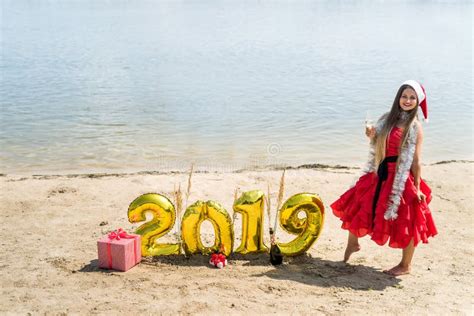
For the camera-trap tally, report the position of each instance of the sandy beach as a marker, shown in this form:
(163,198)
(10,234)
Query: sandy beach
(50,225)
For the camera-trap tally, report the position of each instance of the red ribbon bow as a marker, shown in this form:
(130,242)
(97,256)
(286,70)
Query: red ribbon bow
(120,233)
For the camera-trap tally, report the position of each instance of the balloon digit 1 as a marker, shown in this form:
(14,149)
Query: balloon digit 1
(307,229)
(250,205)
(163,220)
(191,226)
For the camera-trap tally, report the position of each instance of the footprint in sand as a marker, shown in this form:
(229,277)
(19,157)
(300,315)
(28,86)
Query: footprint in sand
(61,190)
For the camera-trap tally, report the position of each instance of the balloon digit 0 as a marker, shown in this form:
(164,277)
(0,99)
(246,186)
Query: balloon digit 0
(307,229)
(191,224)
(163,220)
(250,205)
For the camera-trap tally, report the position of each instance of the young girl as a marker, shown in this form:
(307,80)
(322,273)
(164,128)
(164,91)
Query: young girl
(389,202)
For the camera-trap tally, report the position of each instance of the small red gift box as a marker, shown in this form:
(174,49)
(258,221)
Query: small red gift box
(119,250)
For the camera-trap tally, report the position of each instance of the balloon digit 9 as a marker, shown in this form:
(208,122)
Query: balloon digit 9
(250,205)
(191,224)
(163,220)
(307,229)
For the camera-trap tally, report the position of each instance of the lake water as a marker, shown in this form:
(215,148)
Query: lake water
(92,86)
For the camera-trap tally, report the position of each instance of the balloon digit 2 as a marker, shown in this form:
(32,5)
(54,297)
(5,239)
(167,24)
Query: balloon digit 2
(162,222)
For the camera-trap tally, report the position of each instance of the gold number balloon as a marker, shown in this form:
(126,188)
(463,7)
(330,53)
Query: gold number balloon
(307,229)
(250,205)
(163,220)
(191,226)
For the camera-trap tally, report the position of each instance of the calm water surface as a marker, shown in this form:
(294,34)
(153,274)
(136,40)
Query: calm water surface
(151,85)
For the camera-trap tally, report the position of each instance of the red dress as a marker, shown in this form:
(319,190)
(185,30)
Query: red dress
(414,219)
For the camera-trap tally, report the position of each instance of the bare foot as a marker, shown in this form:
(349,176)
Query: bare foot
(350,249)
(398,270)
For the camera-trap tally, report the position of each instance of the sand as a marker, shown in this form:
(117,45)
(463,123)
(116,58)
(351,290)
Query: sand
(50,225)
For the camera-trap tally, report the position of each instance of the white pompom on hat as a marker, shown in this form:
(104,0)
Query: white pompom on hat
(421,94)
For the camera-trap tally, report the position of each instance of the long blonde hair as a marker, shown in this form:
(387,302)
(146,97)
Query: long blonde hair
(390,120)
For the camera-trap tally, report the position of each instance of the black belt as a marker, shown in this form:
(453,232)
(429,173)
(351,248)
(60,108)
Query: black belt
(382,173)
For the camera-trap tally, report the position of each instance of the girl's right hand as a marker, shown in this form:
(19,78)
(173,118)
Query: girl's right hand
(370,131)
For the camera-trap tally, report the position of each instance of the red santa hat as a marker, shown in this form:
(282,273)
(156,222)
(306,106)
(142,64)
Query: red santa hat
(421,94)
(218,260)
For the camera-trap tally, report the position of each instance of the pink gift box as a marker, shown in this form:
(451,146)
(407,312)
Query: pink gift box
(119,251)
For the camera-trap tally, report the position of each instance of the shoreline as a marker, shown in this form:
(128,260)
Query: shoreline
(315,166)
